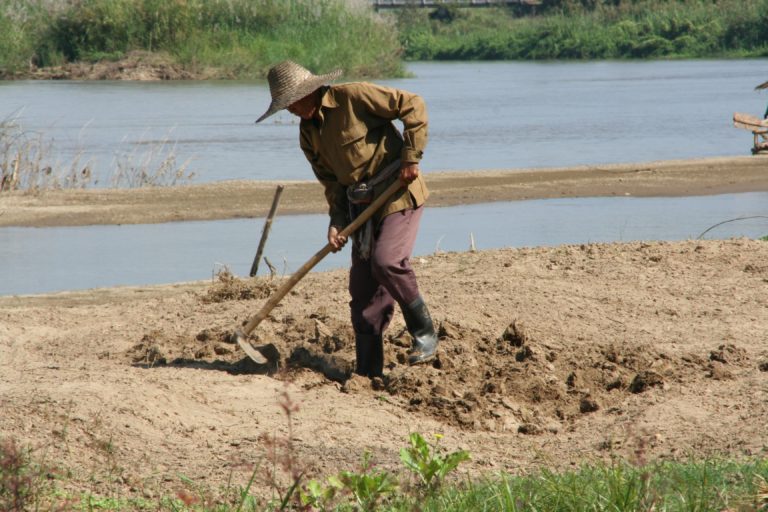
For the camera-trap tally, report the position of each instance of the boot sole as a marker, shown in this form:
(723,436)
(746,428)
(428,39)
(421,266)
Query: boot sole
(412,361)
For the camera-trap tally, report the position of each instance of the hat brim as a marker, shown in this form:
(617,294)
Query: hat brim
(301,90)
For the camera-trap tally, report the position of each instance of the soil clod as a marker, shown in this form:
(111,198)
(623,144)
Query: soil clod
(644,381)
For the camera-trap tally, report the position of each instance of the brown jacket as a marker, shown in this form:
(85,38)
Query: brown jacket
(354,138)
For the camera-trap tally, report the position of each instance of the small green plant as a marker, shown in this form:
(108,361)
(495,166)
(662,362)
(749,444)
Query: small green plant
(428,462)
(369,487)
(244,497)
(318,496)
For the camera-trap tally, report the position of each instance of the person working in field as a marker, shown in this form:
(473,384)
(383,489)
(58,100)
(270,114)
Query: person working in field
(356,152)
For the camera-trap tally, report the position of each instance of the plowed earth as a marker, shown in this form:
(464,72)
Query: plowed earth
(549,357)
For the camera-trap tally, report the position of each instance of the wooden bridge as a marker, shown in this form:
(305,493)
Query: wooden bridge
(394,4)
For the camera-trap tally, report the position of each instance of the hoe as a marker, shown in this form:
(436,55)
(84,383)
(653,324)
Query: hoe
(242,334)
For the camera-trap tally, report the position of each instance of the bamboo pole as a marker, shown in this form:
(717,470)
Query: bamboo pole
(265,231)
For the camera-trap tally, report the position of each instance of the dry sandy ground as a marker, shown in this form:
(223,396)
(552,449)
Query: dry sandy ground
(550,357)
(232,199)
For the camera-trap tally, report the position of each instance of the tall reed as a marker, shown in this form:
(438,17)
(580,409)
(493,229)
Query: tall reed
(27,164)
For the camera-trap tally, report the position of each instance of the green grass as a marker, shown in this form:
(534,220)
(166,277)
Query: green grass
(223,38)
(697,485)
(641,29)
(242,38)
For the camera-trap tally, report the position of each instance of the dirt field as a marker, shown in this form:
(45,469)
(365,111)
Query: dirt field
(550,357)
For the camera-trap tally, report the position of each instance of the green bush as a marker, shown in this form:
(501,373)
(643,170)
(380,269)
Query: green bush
(242,38)
(595,30)
(238,38)
(20,29)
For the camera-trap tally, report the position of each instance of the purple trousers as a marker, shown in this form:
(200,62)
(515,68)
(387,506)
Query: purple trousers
(387,277)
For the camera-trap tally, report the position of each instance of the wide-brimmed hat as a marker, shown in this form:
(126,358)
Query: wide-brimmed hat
(289,82)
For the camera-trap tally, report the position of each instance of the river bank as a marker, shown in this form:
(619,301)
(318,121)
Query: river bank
(244,199)
(241,39)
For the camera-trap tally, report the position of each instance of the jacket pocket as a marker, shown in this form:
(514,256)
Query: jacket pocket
(354,148)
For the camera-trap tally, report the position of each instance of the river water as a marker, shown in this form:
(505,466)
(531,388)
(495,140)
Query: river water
(41,260)
(482,116)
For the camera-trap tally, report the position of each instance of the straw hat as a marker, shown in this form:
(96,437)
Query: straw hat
(289,82)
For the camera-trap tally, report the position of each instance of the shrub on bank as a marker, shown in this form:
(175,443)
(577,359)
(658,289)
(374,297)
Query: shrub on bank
(17,35)
(643,29)
(220,38)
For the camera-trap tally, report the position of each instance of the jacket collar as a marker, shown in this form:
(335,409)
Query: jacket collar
(328,98)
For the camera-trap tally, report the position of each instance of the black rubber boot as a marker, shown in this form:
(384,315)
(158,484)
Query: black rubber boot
(376,368)
(369,355)
(422,330)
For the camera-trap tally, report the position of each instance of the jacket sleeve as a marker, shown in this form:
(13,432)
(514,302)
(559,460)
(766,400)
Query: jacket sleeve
(335,193)
(410,108)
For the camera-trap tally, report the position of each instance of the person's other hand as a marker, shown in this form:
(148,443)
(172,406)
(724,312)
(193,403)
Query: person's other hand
(336,241)
(409,171)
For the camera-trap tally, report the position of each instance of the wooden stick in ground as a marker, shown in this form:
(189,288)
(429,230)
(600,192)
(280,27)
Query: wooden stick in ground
(241,334)
(265,231)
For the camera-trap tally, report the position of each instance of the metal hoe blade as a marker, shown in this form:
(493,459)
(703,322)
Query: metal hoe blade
(251,352)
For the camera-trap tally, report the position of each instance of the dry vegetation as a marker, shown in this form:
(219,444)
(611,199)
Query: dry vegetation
(28,164)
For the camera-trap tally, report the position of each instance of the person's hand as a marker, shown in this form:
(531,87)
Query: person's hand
(409,171)
(336,241)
